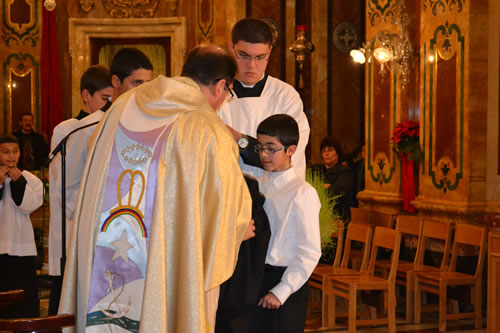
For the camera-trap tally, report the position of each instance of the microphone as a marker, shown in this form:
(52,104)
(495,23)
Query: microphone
(62,143)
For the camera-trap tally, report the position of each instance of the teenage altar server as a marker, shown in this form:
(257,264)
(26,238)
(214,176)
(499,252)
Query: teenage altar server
(259,95)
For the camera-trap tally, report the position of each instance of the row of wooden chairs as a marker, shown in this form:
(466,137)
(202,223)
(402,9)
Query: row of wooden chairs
(50,324)
(414,275)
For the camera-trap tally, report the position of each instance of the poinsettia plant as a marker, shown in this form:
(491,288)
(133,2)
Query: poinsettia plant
(405,140)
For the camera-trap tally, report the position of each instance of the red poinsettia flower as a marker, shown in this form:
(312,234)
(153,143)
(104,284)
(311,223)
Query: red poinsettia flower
(405,138)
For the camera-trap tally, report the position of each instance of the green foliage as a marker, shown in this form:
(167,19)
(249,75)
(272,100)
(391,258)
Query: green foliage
(327,217)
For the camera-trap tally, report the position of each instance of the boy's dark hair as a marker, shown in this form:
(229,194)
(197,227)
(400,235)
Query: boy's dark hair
(25,114)
(330,141)
(252,30)
(95,78)
(282,127)
(127,60)
(207,64)
(8,138)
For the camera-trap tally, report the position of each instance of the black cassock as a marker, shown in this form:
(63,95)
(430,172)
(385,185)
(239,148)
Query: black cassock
(239,295)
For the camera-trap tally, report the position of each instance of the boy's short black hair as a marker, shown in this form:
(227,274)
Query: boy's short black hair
(252,30)
(330,141)
(95,78)
(207,64)
(282,127)
(8,138)
(127,60)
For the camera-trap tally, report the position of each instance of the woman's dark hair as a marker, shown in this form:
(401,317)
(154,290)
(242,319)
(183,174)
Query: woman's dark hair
(330,141)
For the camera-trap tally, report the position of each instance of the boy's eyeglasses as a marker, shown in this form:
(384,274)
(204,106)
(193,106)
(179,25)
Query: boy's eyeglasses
(247,58)
(259,149)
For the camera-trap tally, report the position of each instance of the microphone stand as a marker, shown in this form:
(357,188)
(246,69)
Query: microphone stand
(61,147)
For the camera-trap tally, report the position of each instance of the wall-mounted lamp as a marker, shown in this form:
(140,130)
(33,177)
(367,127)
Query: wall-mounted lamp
(387,47)
(301,47)
(50,5)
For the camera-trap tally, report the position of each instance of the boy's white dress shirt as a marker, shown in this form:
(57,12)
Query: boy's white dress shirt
(292,206)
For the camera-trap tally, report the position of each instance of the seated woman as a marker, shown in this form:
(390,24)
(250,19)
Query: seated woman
(338,177)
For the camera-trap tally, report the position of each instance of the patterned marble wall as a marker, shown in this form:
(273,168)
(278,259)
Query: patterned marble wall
(454,72)
(386,103)
(451,100)
(20,58)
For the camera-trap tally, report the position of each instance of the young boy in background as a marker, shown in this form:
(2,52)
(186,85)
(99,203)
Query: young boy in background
(292,206)
(21,193)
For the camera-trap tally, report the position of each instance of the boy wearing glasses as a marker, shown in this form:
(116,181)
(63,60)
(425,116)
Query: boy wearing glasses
(258,95)
(292,206)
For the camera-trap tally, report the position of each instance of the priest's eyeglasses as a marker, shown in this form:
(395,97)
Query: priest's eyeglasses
(247,58)
(269,151)
(226,87)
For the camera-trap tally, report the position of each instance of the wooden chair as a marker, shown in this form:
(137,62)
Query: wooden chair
(347,286)
(51,324)
(9,297)
(359,215)
(355,232)
(437,282)
(411,226)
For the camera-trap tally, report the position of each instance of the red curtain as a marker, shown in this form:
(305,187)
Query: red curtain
(52,112)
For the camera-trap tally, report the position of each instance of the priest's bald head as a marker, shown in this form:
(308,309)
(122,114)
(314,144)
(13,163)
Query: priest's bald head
(213,69)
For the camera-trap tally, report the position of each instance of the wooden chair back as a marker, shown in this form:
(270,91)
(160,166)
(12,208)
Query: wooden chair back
(51,324)
(377,219)
(437,231)
(473,236)
(10,297)
(359,215)
(339,235)
(388,239)
(410,225)
(361,233)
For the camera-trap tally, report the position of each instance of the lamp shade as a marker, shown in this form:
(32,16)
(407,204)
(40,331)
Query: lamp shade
(358,56)
(382,54)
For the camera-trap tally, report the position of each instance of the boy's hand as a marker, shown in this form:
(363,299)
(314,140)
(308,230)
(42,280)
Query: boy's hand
(4,172)
(250,230)
(14,173)
(270,301)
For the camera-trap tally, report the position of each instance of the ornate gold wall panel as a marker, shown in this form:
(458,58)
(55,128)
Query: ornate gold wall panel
(130,8)
(20,22)
(81,31)
(383,111)
(21,89)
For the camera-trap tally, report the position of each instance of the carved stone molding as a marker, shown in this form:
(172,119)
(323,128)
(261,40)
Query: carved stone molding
(86,5)
(82,30)
(130,8)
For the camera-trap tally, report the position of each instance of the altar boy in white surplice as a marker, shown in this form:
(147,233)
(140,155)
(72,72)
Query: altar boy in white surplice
(163,207)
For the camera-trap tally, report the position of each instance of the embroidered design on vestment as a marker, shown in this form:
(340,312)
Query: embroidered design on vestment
(128,209)
(138,149)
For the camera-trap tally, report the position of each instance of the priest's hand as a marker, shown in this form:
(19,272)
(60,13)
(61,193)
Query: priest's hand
(250,230)
(235,133)
(14,173)
(4,172)
(269,301)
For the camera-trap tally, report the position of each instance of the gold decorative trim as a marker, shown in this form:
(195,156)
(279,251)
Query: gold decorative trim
(86,5)
(130,8)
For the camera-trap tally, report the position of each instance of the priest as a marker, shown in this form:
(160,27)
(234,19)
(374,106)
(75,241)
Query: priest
(162,209)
